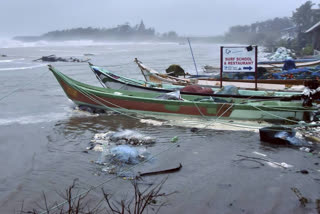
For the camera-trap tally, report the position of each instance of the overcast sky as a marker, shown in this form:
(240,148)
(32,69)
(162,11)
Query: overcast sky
(186,17)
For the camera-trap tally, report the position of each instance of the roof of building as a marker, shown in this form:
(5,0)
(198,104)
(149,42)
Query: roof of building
(314,27)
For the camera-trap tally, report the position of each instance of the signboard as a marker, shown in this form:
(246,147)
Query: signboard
(238,59)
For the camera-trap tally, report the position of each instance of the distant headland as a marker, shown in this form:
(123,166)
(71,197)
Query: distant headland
(124,32)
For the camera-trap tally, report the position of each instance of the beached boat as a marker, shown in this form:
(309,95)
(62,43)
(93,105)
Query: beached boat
(300,63)
(153,76)
(191,105)
(114,81)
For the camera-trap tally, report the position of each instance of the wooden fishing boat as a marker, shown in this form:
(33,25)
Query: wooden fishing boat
(153,76)
(114,81)
(299,63)
(190,105)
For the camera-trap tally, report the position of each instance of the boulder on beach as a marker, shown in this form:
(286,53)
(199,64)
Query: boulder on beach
(175,70)
(54,58)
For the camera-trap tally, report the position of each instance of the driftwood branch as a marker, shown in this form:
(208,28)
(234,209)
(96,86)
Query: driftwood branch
(275,163)
(166,171)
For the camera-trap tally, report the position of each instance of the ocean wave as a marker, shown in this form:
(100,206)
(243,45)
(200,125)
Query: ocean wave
(33,119)
(9,43)
(23,68)
(11,60)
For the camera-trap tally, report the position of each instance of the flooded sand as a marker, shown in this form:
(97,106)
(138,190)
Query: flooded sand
(213,177)
(43,139)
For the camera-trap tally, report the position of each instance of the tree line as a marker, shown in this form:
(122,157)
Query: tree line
(121,32)
(286,31)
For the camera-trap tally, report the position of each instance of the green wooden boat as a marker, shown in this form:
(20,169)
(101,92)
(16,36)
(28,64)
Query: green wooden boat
(188,105)
(115,81)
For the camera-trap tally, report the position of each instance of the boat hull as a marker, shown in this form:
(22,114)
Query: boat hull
(126,101)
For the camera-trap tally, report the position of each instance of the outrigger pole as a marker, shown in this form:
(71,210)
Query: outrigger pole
(194,61)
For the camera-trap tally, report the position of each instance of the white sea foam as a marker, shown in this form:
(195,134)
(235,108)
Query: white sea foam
(23,68)
(9,43)
(33,119)
(11,60)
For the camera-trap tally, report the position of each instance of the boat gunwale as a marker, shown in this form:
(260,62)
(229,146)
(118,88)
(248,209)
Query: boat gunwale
(157,89)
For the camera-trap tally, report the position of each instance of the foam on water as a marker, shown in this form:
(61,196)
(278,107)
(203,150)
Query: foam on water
(23,67)
(10,43)
(33,119)
(11,60)
(201,123)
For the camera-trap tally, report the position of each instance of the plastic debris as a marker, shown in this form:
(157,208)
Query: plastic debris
(123,137)
(170,96)
(290,139)
(285,165)
(174,139)
(132,137)
(281,53)
(258,153)
(126,154)
(119,148)
(305,149)
(304,171)
(281,136)
(229,89)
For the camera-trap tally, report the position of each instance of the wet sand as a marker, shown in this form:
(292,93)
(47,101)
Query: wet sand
(42,141)
(213,178)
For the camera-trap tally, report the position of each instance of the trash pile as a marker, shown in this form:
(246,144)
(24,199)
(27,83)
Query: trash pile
(126,136)
(126,147)
(307,139)
(281,54)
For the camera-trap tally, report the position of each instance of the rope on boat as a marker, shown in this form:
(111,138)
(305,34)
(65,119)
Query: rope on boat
(217,120)
(274,115)
(97,101)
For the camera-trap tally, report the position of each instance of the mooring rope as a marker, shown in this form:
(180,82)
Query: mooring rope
(24,86)
(216,120)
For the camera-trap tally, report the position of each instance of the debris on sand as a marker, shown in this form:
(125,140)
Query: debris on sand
(120,148)
(165,171)
(124,137)
(281,136)
(127,154)
(152,122)
(269,162)
(131,137)
(303,200)
(89,109)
